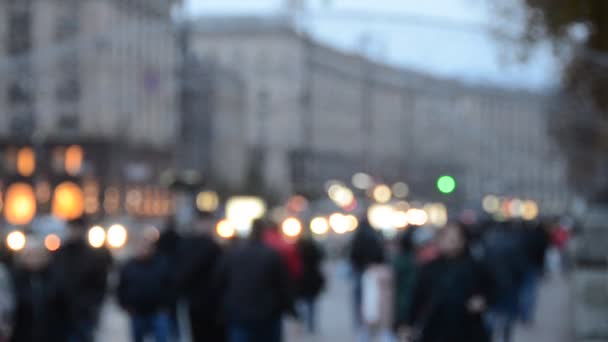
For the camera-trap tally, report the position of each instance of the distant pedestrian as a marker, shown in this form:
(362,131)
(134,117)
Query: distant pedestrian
(257,290)
(198,258)
(144,291)
(366,249)
(312,281)
(451,294)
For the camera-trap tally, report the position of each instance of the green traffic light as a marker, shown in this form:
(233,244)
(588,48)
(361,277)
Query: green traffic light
(446,184)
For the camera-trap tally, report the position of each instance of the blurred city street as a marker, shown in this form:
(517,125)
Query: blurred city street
(553,319)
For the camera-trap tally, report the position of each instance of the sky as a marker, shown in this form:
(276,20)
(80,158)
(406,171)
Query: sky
(445,38)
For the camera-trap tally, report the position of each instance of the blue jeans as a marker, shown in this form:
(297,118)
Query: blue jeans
(157,324)
(528,296)
(265,331)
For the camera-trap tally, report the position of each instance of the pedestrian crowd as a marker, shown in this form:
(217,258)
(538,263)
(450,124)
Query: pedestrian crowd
(469,283)
(464,283)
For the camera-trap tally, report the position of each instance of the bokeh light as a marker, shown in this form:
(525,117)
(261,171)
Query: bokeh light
(52,242)
(16,240)
(339,223)
(401,190)
(380,216)
(417,217)
(117,236)
(382,193)
(97,237)
(225,229)
(491,204)
(292,227)
(68,201)
(446,184)
(362,181)
(530,210)
(242,211)
(207,201)
(26,161)
(319,226)
(19,204)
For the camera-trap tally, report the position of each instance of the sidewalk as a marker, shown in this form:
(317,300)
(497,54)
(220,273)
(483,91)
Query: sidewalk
(335,318)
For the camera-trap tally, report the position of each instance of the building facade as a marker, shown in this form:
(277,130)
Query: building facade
(100,74)
(319,113)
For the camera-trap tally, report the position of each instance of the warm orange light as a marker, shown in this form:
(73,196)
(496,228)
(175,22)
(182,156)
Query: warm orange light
(19,204)
(73,159)
(52,242)
(68,201)
(26,161)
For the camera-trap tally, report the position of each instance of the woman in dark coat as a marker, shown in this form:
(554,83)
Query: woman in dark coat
(312,282)
(451,294)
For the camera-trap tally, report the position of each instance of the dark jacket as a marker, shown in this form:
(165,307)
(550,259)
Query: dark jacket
(312,282)
(441,295)
(41,307)
(198,259)
(256,283)
(145,285)
(82,273)
(405,279)
(366,248)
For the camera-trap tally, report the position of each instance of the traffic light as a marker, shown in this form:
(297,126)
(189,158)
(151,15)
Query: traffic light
(446,184)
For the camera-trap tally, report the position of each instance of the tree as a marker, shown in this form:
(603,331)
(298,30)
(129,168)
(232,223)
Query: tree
(579,121)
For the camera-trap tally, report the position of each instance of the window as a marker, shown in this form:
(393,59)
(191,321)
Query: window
(19,32)
(68,122)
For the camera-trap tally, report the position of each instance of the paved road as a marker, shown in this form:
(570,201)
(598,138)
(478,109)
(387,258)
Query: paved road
(552,325)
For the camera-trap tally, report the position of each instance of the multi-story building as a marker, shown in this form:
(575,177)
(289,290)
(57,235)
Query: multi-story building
(319,113)
(96,73)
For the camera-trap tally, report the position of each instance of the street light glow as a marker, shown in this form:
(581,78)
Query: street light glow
(382,193)
(97,237)
(52,242)
(319,226)
(117,236)
(225,229)
(16,240)
(292,227)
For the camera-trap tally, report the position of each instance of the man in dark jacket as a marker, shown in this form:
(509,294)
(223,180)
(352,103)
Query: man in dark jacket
(198,259)
(40,311)
(312,280)
(82,273)
(257,290)
(144,291)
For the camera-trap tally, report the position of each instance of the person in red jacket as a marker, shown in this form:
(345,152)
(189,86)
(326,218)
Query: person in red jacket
(288,250)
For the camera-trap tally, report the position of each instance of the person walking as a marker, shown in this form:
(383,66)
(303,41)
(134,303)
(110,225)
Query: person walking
(144,291)
(257,290)
(451,294)
(405,270)
(312,281)
(198,258)
(82,273)
(366,249)
(40,307)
